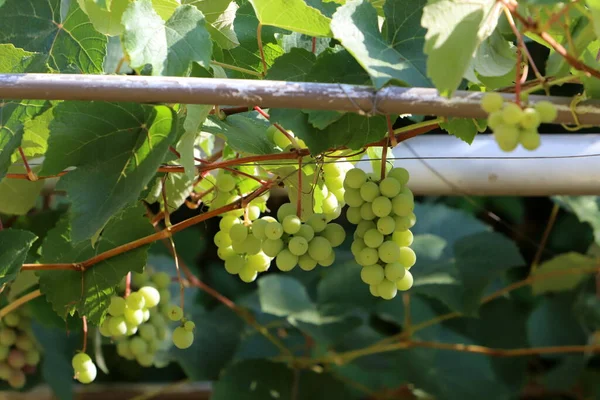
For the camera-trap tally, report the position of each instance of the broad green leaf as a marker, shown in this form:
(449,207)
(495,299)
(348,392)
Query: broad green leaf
(165,8)
(177,188)
(455,29)
(107,21)
(292,66)
(581,34)
(342,286)
(566,282)
(195,116)
(586,208)
(35,135)
(103,4)
(14,245)
(18,195)
(301,41)
(398,56)
(283,296)
(463,128)
(71,44)
(293,15)
(591,84)
(219,15)
(116,147)
(169,47)
(243,132)
(89,292)
(594,6)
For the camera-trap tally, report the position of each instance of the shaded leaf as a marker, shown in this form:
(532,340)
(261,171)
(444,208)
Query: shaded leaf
(563,282)
(219,15)
(283,296)
(463,128)
(243,132)
(292,66)
(18,195)
(14,245)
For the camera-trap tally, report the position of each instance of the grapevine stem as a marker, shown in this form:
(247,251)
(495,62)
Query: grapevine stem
(127,284)
(260,49)
(314,45)
(540,250)
(234,68)
(522,45)
(557,81)
(384,150)
(84,327)
(300,191)
(19,302)
(30,174)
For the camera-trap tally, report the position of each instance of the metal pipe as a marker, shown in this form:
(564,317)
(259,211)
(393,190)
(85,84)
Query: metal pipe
(235,92)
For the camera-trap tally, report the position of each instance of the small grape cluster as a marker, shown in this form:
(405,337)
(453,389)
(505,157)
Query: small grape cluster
(512,125)
(383,213)
(19,352)
(84,367)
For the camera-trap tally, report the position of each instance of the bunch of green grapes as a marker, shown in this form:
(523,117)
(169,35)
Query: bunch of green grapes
(282,141)
(294,242)
(19,352)
(513,125)
(383,213)
(84,367)
(240,246)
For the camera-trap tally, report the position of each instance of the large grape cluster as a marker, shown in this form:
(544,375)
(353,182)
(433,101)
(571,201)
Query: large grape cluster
(19,352)
(513,125)
(383,213)
(226,191)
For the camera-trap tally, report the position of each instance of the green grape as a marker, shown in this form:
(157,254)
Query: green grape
(131,328)
(189,326)
(87,375)
(405,282)
(367,256)
(531,119)
(175,313)
(306,262)
(117,326)
(238,233)
(138,345)
(390,187)
(373,290)
(24,343)
(389,251)
(403,204)
(7,337)
(386,225)
(355,178)
(5,371)
(399,174)
(133,317)
(307,232)
(104,331)
(530,139)
(403,238)
(404,223)
(318,222)
(372,274)
(17,379)
(135,301)
(117,306)
(382,206)
(546,110)
(491,102)
(139,280)
(363,227)
(258,229)
(394,271)
(495,119)
(227,222)
(408,258)
(512,114)
(182,339)
(507,137)
(366,212)
(165,295)
(335,233)
(373,238)
(352,198)
(328,261)
(330,216)
(11,319)
(285,210)
(253,212)
(319,248)
(151,296)
(4,352)
(80,361)
(259,262)
(273,230)
(270,132)
(157,320)
(357,246)
(225,183)
(387,289)
(330,204)
(369,191)
(32,357)
(353,215)
(291,224)
(222,239)
(147,332)
(272,247)
(251,245)
(248,274)
(286,260)
(298,246)
(162,280)
(146,314)
(145,359)
(234,264)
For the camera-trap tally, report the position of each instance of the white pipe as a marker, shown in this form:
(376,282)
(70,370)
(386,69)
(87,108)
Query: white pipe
(486,170)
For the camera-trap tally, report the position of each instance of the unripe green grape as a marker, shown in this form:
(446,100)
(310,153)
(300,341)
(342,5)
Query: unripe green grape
(123,350)
(175,312)
(495,119)
(382,206)
(491,102)
(333,184)
(512,114)
(285,210)
(147,332)
(17,379)
(394,271)
(80,361)
(386,225)
(11,319)
(355,178)
(222,239)
(530,139)
(307,232)
(373,290)
(238,247)
(24,343)
(387,289)
(339,195)
(291,224)
(145,359)
(133,317)
(87,375)
(227,222)
(32,357)
(366,212)
(139,280)
(165,295)
(258,229)
(162,280)
(363,227)
(328,261)
(319,248)
(331,171)
(131,328)
(357,246)
(238,233)
(404,223)
(306,262)
(135,301)
(390,187)
(373,238)
(298,246)
(273,230)
(531,119)
(259,262)
(189,326)
(225,183)
(182,339)
(389,251)
(335,233)
(117,306)
(403,238)
(157,320)
(286,260)
(547,111)
(353,215)
(151,296)
(7,337)
(408,258)
(330,204)
(4,352)
(117,326)
(146,313)
(5,371)
(367,256)
(507,137)
(251,245)
(399,174)
(248,274)
(138,346)
(369,191)
(335,214)
(272,247)
(103,328)
(403,204)
(253,212)
(372,274)
(405,282)
(353,198)
(318,222)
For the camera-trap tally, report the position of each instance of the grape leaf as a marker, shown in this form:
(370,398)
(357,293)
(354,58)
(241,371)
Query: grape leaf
(463,128)
(71,44)
(594,6)
(455,29)
(586,208)
(219,15)
(36,134)
(553,323)
(116,147)
(195,116)
(399,56)
(293,15)
(244,132)
(177,188)
(14,245)
(18,195)
(103,4)
(561,283)
(301,41)
(89,292)
(165,8)
(105,20)
(283,296)
(292,66)
(169,47)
